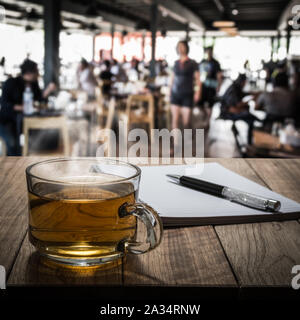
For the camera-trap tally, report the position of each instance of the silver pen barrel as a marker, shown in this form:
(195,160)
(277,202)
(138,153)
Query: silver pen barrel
(251,200)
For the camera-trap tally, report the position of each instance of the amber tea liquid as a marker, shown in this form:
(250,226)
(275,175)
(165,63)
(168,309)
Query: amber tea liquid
(80,222)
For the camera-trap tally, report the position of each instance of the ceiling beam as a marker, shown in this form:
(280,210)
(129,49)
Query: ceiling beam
(173,8)
(179,13)
(67,5)
(109,17)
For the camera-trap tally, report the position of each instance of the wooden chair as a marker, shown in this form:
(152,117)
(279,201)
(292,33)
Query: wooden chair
(59,123)
(102,108)
(137,113)
(164,110)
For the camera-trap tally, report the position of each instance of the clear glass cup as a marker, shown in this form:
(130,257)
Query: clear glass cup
(85,211)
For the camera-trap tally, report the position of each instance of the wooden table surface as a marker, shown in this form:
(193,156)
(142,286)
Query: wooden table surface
(267,145)
(240,257)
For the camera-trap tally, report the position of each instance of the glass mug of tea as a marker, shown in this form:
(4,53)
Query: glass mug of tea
(85,211)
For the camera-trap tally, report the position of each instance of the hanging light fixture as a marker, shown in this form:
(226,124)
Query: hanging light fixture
(225,20)
(223,24)
(233,7)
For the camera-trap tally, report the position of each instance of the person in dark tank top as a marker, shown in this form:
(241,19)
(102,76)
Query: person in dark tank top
(185,79)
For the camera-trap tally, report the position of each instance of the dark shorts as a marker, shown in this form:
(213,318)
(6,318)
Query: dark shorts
(183,99)
(208,96)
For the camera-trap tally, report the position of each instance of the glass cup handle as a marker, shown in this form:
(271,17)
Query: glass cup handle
(152,222)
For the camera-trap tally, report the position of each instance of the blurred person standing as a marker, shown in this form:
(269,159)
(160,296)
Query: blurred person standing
(86,79)
(184,78)
(13,100)
(211,79)
(269,68)
(114,67)
(106,78)
(134,72)
(118,71)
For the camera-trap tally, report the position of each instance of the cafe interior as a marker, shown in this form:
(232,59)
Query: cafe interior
(72,71)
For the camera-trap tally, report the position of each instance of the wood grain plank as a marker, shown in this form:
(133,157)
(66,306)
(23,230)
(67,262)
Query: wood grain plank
(278,171)
(281,175)
(261,254)
(30,269)
(186,257)
(13,208)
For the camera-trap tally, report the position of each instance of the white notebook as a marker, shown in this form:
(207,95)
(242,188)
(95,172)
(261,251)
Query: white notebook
(178,205)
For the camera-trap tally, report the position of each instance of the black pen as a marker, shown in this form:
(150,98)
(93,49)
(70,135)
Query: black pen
(241,197)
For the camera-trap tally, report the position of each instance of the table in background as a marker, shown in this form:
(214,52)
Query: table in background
(267,145)
(215,260)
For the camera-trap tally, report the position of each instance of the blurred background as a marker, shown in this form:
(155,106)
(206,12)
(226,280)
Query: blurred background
(73,67)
